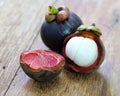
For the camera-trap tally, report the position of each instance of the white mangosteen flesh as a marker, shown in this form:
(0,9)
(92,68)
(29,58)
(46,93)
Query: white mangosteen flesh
(82,51)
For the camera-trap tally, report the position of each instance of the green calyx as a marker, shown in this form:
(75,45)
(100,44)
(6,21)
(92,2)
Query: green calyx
(82,28)
(91,28)
(52,10)
(95,29)
(49,18)
(59,14)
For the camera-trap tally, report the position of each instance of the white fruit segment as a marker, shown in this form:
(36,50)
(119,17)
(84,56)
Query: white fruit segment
(82,51)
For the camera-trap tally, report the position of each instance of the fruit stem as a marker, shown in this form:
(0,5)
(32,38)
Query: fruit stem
(93,24)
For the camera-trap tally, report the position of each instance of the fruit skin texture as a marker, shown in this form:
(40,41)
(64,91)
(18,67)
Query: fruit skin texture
(54,33)
(99,60)
(43,75)
(43,72)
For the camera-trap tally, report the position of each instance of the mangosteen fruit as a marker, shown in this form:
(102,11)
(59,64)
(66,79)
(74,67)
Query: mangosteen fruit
(41,65)
(58,24)
(83,50)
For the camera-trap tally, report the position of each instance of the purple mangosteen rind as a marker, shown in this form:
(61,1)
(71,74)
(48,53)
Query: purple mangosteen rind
(41,75)
(43,71)
(86,33)
(54,33)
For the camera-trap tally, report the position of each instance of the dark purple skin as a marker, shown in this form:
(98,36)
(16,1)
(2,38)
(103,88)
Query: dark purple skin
(43,75)
(54,33)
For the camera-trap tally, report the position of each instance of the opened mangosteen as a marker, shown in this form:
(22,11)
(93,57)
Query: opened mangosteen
(41,65)
(58,24)
(84,51)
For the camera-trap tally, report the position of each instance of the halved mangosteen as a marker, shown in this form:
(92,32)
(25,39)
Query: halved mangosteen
(84,51)
(58,24)
(41,65)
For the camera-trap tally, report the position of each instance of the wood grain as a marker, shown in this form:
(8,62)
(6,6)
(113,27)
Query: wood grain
(14,26)
(20,21)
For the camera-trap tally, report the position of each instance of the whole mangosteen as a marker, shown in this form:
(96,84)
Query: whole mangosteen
(58,24)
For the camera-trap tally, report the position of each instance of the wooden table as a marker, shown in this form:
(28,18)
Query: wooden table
(20,22)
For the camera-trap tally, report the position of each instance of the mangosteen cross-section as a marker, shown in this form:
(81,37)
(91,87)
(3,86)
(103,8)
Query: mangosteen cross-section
(83,50)
(41,65)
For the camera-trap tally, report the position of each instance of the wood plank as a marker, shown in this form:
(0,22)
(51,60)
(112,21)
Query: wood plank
(103,82)
(20,21)
(67,84)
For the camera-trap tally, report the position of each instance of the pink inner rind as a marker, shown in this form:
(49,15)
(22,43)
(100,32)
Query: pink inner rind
(46,60)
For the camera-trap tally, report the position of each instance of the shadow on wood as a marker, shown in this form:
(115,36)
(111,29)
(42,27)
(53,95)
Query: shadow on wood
(93,83)
(70,83)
